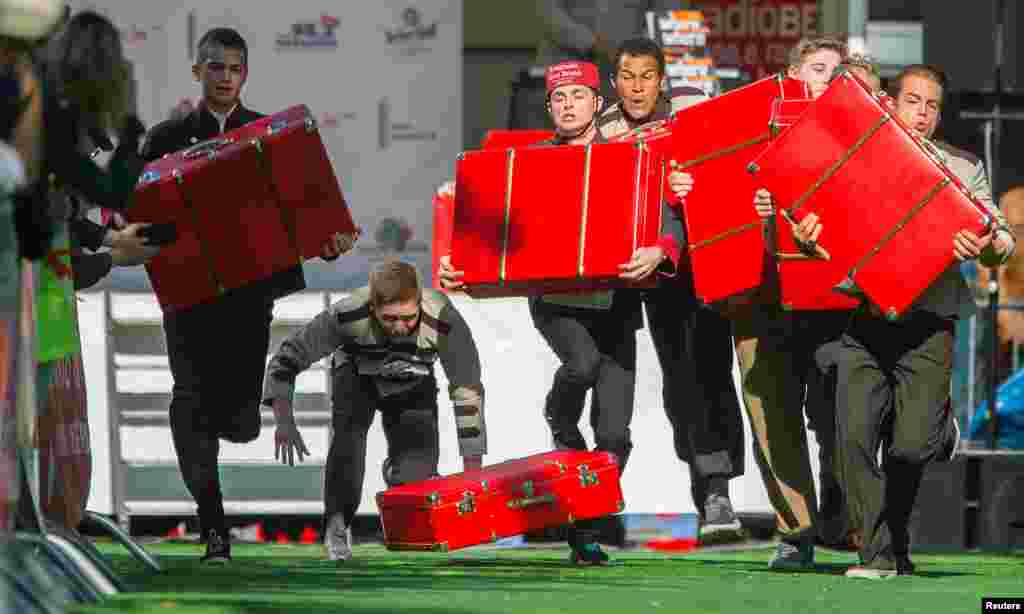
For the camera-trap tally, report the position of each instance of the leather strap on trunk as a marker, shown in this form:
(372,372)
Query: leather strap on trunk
(899,225)
(724,235)
(725,151)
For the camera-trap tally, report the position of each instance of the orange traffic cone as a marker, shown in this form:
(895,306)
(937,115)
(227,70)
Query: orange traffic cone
(309,536)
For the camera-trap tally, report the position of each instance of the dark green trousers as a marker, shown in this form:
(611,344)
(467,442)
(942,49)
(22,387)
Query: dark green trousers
(893,380)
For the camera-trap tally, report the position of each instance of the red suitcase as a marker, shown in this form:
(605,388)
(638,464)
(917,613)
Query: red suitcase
(511,498)
(444,203)
(807,282)
(248,208)
(503,139)
(554,219)
(888,208)
(714,141)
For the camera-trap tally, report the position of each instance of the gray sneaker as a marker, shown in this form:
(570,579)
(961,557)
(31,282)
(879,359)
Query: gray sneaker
(793,557)
(718,523)
(338,539)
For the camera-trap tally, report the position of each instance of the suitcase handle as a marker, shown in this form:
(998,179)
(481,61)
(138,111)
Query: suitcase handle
(206,148)
(518,504)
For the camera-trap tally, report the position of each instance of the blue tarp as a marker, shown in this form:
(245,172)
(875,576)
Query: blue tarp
(1009,409)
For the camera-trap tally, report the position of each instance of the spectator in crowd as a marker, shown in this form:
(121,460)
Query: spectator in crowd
(85,90)
(22,26)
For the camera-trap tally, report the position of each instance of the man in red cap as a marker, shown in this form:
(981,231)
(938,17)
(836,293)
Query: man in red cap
(593,334)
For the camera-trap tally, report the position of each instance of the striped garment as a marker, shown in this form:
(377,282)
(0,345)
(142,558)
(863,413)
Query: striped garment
(349,332)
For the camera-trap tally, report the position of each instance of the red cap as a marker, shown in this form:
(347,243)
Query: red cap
(571,73)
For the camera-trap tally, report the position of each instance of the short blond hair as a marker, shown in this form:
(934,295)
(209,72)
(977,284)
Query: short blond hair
(857,60)
(813,44)
(394,281)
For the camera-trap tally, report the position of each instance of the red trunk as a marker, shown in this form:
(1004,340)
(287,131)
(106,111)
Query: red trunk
(888,208)
(248,206)
(714,141)
(550,219)
(527,494)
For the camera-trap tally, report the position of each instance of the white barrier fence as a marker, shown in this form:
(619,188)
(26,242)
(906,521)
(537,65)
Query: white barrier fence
(135,468)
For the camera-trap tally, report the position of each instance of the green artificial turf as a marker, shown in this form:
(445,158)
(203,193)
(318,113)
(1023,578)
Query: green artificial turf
(264,579)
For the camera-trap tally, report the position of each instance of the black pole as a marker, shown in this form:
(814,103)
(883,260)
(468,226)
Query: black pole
(993,371)
(993,288)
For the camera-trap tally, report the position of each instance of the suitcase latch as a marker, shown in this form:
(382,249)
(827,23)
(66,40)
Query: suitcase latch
(529,498)
(587,477)
(559,464)
(466,505)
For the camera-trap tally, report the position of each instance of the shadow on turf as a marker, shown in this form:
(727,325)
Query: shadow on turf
(836,569)
(190,603)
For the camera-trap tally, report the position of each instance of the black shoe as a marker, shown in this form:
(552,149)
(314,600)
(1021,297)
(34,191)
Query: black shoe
(218,549)
(903,565)
(588,554)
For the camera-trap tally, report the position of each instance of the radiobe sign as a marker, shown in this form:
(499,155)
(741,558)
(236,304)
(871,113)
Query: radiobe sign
(756,35)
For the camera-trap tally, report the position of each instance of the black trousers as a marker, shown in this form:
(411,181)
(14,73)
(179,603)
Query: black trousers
(217,354)
(892,387)
(695,350)
(598,352)
(410,426)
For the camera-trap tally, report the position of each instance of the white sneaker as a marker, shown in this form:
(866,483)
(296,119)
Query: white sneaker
(338,539)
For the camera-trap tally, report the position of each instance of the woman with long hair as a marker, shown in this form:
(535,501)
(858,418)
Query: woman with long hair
(87,96)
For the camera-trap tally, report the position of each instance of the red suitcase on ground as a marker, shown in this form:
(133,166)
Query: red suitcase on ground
(714,141)
(248,208)
(503,139)
(511,498)
(554,219)
(888,208)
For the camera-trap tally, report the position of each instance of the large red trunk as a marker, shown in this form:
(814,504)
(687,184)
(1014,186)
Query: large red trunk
(510,498)
(714,141)
(248,207)
(888,208)
(554,219)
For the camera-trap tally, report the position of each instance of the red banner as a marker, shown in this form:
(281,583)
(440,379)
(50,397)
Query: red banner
(756,35)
